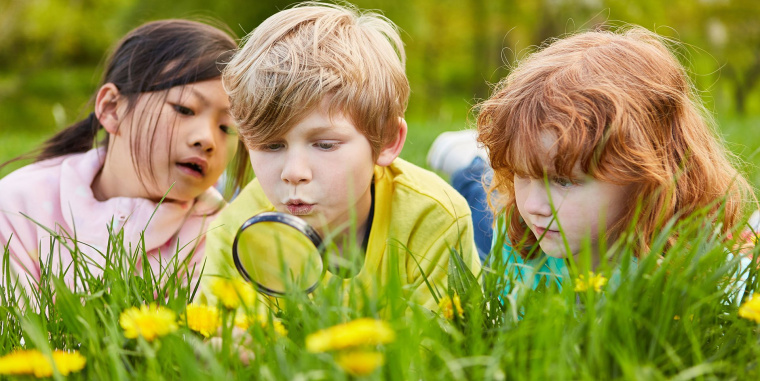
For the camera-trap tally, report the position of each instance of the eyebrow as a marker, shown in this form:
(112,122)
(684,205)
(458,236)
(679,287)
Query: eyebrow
(199,95)
(203,98)
(321,129)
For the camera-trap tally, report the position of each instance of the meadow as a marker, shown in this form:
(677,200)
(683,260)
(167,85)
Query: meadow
(682,315)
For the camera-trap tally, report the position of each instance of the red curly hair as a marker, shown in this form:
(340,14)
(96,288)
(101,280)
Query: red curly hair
(622,106)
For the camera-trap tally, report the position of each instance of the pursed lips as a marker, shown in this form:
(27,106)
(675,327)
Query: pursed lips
(298,207)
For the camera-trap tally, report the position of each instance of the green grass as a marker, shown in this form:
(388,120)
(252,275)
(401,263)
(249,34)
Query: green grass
(677,319)
(670,318)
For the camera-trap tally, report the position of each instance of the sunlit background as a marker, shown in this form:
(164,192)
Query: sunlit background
(52,51)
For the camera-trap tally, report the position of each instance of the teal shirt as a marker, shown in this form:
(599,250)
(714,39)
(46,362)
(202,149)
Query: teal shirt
(544,268)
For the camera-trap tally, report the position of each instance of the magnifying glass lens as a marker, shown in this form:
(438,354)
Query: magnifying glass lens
(277,256)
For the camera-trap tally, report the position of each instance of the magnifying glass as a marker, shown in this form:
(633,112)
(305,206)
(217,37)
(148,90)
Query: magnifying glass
(279,253)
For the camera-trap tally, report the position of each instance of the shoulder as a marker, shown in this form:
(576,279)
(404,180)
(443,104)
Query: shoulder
(33,174)
(209,203)
(33,183)
(250,201)
(422,189)
(35,191)
(419,209)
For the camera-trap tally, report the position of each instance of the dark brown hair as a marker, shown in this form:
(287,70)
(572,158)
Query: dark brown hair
(153,57)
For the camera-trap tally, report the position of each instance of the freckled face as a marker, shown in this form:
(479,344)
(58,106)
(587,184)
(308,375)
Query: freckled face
(319,170)
(582,204)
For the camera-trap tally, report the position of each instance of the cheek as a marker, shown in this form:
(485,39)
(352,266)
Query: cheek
(519,193)
(266,176)
(615,213)
(263,168)
(519,202)
(346,183)
(575,212)
(619,198)
(334,181)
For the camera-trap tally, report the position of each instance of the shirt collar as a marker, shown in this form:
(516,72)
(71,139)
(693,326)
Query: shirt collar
(91,218)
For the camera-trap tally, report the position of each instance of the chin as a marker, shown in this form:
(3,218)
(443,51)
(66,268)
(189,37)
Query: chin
(555,252)
(182,196)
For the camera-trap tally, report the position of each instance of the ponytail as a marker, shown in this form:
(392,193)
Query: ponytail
(79,137)
(153,57)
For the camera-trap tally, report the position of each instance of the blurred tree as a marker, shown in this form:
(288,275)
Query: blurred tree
(733,32)
(454,48)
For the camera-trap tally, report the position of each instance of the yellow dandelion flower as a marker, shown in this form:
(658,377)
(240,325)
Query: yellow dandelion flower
(355,333)
(243,322)
(595,281)
(202,319)
(68,362)
(448,305)
(279,328)
(32,361)
(231,292)
(751,309)
(148,321)
(360,363)
(19,362)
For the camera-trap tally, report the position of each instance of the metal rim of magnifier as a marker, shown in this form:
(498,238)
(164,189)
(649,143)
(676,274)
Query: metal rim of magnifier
(286,219)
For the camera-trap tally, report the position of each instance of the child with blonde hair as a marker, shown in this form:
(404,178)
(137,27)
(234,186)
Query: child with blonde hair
(596,134)
(319,92)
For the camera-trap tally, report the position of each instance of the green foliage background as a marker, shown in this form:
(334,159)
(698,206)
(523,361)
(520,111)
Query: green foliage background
(52,51)
(668,320)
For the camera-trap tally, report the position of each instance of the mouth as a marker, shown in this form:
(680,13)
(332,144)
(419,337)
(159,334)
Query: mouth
(194,167)
(299,208)
(539,231)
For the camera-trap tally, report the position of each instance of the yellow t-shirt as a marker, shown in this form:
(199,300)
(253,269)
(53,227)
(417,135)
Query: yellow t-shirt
(415,211)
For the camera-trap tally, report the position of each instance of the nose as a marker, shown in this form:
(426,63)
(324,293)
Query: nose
(202,136)
(537,201)
(296,169)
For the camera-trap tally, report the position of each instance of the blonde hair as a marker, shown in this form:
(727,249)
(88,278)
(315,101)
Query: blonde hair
(314,51)
(621,105)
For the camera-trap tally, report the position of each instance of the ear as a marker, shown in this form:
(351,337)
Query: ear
(107,107)
(391,151)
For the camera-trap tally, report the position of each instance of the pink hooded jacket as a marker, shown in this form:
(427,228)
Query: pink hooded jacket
(56,194)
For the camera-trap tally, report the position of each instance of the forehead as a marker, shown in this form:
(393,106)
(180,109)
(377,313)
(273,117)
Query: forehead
(534,156)
(543,154)
(320,120)
(209,92)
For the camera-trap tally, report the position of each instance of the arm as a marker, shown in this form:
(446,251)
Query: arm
(19,263)
(434,261)
(218,261)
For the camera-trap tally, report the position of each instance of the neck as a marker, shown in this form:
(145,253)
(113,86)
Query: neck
(350,237)
(348,259)
(113,181)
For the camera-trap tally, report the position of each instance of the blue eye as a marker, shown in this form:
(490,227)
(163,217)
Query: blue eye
(272,146)
(182,110)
